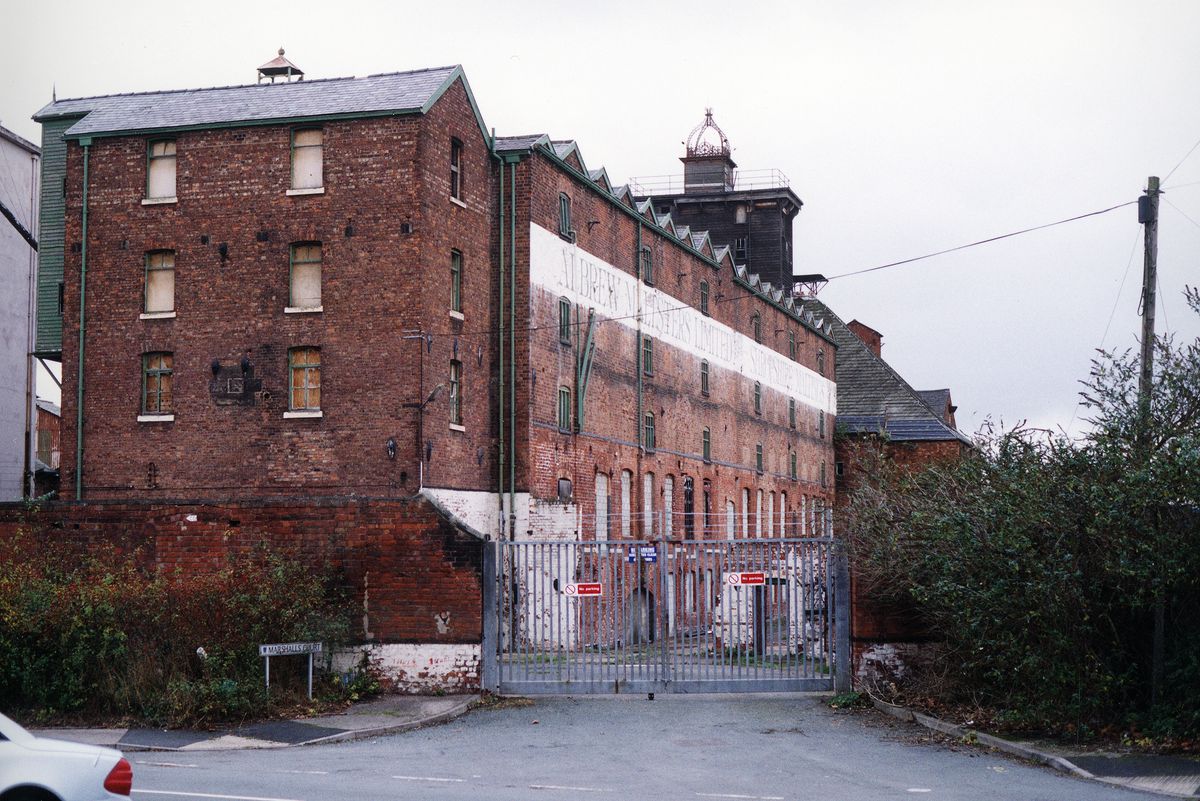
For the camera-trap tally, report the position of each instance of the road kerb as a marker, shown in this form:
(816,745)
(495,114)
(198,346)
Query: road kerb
(989,740)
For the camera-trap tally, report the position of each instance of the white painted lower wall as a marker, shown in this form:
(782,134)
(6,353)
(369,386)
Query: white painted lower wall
(418,668)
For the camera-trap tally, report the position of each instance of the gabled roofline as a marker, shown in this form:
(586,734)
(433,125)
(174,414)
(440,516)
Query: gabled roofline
(20,141)
(546,149)
(456,73)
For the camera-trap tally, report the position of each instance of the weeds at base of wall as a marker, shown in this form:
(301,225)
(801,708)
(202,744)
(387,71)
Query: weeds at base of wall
(93,635)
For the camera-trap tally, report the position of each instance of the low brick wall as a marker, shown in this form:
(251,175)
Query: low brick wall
(416,577)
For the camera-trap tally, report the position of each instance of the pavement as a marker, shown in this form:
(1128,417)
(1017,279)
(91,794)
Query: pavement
(1173,776)
(384,715)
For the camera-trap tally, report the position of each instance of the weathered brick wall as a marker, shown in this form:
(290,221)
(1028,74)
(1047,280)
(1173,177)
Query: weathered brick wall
(608,443)
(415,577)
(379,284)
(888,637)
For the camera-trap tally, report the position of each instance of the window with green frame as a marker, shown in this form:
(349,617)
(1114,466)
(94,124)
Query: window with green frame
(704,377)
(792,412)
(158,383)
(304,291)
(649,439)
(792,345)
(704,298)
(304,379)
(792,465)
(647,265)
(758,457)
(757,397)
(756,327)
(456,417)
(821,362)
(821,424)
(160,169)
(564,216)
(456,182)
(823,480)
(564,408)
(456,268)
(706,444)
(308,157)
(564,321)
(159,290)
(647,355)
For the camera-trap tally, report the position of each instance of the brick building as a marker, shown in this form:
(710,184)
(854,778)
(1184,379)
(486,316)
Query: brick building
(346,291)
(917,429)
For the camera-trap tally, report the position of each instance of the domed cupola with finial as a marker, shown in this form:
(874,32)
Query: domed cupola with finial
(280,67)
(708,165)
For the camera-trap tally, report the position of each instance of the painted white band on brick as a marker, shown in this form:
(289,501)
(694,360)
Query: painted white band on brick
(568,271)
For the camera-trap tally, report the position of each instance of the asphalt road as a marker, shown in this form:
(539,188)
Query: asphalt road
(674,748)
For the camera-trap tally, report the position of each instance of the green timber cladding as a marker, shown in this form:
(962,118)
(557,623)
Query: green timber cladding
(51,235)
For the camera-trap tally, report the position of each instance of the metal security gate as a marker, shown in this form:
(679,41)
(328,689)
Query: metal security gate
(679,616)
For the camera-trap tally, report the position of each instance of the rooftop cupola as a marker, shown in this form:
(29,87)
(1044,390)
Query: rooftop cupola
(708,166)
(280,67)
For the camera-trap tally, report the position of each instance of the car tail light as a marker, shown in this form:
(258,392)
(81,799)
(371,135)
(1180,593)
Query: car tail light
(120,778)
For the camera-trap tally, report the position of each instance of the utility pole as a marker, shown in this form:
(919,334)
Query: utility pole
(1148,217)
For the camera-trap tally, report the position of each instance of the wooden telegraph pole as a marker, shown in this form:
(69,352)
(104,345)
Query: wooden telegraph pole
(1148,217)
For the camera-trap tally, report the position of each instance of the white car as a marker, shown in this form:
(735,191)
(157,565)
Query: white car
(40,769)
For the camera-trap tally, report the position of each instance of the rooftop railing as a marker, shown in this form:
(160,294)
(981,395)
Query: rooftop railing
(743,181)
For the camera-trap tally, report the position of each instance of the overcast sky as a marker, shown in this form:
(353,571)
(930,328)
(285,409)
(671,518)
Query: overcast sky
(906,128)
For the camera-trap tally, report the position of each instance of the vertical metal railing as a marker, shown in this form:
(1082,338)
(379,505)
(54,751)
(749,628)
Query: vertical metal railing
(680,615)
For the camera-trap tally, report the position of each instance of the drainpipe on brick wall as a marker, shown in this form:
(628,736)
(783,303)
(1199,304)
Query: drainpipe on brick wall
(639,482)
(512,341)
(87,144)
(500,317)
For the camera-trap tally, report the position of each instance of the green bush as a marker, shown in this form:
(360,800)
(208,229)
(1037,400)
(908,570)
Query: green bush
(92,633)
(1041,563)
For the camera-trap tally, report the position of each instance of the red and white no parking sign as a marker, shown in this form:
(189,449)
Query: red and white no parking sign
(746,579)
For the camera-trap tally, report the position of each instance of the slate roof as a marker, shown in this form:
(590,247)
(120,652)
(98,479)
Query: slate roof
(936,399)
(874,398)
(397,92)
(525,142)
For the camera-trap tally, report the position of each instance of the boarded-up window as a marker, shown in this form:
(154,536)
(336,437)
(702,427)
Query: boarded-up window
(157,383)
(601,506)
(160,281)
(306,276)
(626,491)
(160,169)
(668,506)
(648,505)
(307,159)
(745,512)
(305,381)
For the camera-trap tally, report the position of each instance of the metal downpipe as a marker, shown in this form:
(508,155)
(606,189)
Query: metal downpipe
(87,143)
(500,315)
(512,339)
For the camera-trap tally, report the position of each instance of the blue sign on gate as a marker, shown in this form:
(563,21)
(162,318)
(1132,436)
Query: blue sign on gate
(647,553)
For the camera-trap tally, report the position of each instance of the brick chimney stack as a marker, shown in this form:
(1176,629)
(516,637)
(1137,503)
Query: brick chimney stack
(872,338)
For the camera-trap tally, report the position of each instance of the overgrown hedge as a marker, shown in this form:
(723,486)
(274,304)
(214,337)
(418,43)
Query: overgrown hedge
(93,633)
(1041,562)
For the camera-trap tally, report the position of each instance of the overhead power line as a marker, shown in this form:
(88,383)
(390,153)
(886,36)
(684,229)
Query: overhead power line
(983,241)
